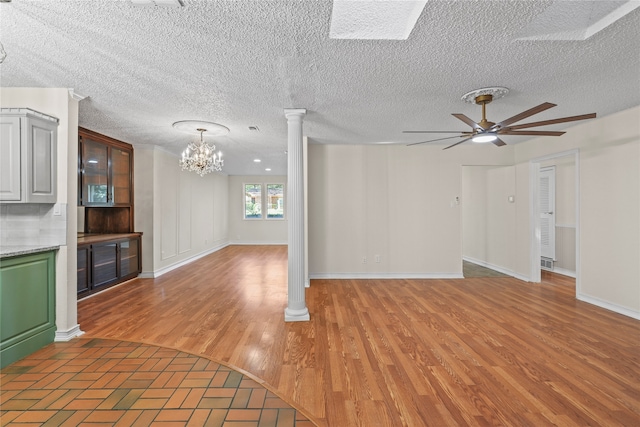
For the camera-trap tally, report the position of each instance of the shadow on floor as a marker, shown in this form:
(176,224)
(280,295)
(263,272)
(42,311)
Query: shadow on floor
(470,269)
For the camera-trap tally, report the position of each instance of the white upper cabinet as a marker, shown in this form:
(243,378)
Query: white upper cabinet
(28,147)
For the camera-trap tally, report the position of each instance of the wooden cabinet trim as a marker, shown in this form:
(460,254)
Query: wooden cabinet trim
(90,242)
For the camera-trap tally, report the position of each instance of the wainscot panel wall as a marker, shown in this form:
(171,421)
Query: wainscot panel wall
(183,216)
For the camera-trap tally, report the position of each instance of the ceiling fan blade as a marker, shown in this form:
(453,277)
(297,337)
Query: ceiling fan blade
(434,140)
(431,131)
(554,121)
(446,148)
(467,120)
(530,112)
(499,142)
(532,132)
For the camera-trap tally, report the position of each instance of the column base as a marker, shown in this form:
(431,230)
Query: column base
(301,315)
(69,334)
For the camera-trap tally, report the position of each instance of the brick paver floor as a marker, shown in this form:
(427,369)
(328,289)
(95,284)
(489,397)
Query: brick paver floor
(116,383)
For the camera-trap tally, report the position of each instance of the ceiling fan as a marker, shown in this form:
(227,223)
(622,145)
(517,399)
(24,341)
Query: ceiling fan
(486,131)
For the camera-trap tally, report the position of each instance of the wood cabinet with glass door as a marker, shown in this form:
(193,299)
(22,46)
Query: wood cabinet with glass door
(105,183)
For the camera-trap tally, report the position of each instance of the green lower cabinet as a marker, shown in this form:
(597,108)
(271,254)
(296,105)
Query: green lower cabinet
(27,305)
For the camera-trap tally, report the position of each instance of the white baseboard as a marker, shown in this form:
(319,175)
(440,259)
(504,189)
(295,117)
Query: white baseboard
(328,276)
(497,268)
(609,306)
(69,334)
(163,270)
(259,243)
(564,272)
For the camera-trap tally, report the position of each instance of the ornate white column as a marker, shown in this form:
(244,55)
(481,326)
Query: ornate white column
(296,305)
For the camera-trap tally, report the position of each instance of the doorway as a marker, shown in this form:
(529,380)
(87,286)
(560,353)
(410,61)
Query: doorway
(558,238)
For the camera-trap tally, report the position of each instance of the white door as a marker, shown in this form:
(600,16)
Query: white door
(547,212)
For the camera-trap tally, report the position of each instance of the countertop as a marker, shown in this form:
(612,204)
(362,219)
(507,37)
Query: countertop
(7,251)
(89,238)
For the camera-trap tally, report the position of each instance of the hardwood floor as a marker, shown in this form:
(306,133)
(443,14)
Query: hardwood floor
(482,351)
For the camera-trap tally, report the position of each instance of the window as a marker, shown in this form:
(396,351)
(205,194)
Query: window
(273,198)
(275,201)
(252,201)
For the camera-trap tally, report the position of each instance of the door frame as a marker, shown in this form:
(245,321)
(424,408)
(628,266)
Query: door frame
(552,208)
(534,217)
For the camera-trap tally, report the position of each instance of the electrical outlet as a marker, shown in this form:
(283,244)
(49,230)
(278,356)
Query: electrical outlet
(378,259)
(364,259)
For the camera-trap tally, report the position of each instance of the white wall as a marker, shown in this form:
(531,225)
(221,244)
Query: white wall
(57,103)
(488,217)
(254,231)
(391,201)
(143,197)
(608,271)
(182,215)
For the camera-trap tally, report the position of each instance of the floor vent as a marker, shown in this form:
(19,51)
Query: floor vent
(546,263)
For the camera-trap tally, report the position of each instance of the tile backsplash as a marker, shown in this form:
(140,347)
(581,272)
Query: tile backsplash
(33,224)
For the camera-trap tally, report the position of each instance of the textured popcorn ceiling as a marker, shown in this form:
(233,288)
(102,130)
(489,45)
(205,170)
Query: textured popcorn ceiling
(240,63)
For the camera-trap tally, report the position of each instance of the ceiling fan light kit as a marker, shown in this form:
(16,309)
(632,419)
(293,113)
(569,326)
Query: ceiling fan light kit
(484,137)
(486,131)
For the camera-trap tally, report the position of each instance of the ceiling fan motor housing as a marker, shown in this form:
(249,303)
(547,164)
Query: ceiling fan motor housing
(484,100)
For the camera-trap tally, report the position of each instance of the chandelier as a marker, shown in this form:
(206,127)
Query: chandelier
(200,157)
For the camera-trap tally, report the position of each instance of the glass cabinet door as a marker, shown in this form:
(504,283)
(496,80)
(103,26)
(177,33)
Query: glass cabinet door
(104,263)
(129,257)
(120,169)
(96,171)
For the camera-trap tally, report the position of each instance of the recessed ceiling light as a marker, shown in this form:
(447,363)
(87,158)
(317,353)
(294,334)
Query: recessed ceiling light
(268,169)
(374,19)
(254,128)
(257,160)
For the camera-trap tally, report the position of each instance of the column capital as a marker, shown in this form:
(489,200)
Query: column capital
(294,112)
